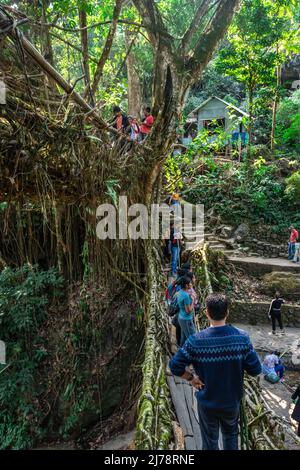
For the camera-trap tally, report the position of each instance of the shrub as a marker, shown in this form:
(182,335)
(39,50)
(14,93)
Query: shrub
(25,294)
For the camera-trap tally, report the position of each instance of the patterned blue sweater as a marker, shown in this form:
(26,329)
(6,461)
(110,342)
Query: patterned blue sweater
(220,355)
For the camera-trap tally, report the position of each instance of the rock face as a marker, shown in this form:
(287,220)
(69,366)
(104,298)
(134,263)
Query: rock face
(126,331)
(225,231)
(284,282)
(256,313)
(241,233)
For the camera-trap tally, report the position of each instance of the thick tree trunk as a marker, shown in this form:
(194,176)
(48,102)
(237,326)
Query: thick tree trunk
(107,46)
(250,125)
(134,85)
(46,46)
(85,54)
(275,107)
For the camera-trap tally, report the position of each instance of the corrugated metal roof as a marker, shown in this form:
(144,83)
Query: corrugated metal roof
(229,105)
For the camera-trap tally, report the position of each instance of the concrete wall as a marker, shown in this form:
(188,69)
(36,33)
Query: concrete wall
(256,313)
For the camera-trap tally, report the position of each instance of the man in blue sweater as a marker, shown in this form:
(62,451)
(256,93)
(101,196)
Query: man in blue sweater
(219,354)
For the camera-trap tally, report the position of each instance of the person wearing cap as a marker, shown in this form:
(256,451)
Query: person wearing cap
(175,199)
(292,242)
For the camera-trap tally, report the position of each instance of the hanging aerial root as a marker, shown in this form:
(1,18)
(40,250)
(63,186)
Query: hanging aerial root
(154,424)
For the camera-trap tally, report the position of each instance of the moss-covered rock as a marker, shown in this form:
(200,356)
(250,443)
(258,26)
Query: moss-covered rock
(284,282)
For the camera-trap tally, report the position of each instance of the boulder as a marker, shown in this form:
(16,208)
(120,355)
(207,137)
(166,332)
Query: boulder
(242,232)
(226,231)
(284,282)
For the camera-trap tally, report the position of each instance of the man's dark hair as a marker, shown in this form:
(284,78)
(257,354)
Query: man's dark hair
(190,275)
(186,266)
(116,109)
(181,272)
(148,109)
(217,306)
(185,256)
(184,282)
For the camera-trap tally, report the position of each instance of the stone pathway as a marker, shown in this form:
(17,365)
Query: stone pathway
(256,265)
(263,340)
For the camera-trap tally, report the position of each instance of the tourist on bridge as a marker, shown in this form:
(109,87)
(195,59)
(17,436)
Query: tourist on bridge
(134,129)
(186,310)
(275,313)
(175,241)
(146,126)
(292,242)
(120,120)
(219,354)
(296,412)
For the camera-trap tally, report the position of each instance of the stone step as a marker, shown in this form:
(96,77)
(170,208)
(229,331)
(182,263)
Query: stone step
(217,247)
(258,266)
(210,237)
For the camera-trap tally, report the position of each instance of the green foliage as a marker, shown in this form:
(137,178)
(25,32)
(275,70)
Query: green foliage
(288,122)
(213,83)
(25,294)
(293,185)
(248,192)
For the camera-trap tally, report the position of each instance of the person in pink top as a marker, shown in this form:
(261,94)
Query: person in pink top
(292,242)
(146,126)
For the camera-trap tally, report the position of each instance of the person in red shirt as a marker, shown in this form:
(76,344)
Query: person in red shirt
(292,242)
(146,126)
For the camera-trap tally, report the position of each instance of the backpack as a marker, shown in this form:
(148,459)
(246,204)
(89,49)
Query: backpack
(173,307)
(272,378)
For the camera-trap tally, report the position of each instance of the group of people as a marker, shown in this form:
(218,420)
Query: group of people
(215,359)
(134,130)
(294,246)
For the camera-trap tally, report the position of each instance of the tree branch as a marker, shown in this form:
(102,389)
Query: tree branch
(95,25)
(202,10)
(213,33)
(76,48)
(107,47)
(153,22)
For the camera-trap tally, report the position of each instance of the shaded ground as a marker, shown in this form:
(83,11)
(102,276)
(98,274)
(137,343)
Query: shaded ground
(246,287)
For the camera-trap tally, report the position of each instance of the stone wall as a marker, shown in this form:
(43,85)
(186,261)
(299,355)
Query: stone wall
(256,313)
(264,242)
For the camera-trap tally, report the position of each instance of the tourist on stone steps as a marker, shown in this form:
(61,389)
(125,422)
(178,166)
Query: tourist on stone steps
(292,242)
(296,258)
(296,411)
(186,310)
(275,313)
(220,355)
